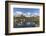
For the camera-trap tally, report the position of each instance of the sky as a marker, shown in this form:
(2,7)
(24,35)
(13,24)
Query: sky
(26,11)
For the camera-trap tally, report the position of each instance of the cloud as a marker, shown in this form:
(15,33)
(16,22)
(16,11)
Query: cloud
(24,14)
(37,14)
(31,14)
(27,14)
(18,12)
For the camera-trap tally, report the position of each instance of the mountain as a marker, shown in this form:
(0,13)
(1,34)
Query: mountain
(18,14)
